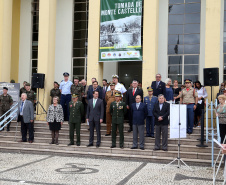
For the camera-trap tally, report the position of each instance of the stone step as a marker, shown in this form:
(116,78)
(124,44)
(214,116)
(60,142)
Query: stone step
(103,149)
(95,153)
(47,134)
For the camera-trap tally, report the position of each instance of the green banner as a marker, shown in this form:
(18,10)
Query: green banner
(120,30)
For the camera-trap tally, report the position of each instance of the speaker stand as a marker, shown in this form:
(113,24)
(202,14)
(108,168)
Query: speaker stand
(38,103)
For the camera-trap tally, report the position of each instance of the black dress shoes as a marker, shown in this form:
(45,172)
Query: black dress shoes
(133,147)
(165,150)
(130,130)
(78,144)
(112,146)
(142,148)
(155,149)
(97,145)
(121,146)
(70,144)
(89,145)
(107,134)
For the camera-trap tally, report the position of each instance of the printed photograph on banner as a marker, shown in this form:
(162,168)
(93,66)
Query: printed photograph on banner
(120,30)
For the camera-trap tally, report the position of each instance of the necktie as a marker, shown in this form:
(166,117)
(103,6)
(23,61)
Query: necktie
(21,108)
(137,105)
(133,91)
(111,93)
(94,102)
(104,90)
(157,84)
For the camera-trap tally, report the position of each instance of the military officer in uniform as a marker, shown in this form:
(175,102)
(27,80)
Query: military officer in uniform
(76,112)
(189,96)
(109,98)
(5,102)
(55,92)
(77,88)
(150,101)
(31,96)
(118,110)
(23,89)
(118,86)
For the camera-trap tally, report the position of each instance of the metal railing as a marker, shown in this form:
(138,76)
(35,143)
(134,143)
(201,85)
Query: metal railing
(11,116)
(210,107)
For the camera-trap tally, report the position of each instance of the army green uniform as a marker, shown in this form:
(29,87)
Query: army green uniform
(55,92)
(31,96)
(22,90)
(118,111)
(76,113)
(77,89)
(5,103)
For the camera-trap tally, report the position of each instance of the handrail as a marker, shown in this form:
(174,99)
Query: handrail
(15,107)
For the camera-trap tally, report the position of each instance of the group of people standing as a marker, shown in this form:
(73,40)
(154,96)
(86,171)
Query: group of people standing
(76,103)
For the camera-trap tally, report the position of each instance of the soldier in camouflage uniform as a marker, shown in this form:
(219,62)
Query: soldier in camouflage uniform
(5,102)
(55,92)
(23,89)
(77,88)
(31,95)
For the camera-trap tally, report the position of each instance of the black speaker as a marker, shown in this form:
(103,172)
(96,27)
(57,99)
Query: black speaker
(211,76)
(38,80)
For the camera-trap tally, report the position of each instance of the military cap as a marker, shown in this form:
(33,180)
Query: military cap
(149,89)
(5,88)
(56,83)
(76,78)
(187,81)
(118,94)
(111,83)
(27,84)
(74,95)
(12,81)
(114,76)
(66,74)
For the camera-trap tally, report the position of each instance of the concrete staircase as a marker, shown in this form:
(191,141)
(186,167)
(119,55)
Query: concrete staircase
(189,152)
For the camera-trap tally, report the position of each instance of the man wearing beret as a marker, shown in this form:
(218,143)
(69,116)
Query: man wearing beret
(23,89)
(150,101)
(76,112)
(189,96)
(65,89)
(5,102)
(55,92)
(77,88)
(118,110)
(31,96)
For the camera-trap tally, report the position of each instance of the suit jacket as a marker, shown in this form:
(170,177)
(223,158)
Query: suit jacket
(150,104)
(130,99)
(90,93)
(76,112)
(59,114)
(96,113)
(140,114)
(164,113)
(104,92)
(28,111)
(118,112)
(160,90)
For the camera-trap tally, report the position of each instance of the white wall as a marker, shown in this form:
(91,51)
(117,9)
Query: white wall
(110,68)
(25,41)
(163,39)
(64,38)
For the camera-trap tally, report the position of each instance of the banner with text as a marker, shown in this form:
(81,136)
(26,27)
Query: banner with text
(120,30)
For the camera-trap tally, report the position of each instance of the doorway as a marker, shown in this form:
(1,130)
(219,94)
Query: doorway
(129,71)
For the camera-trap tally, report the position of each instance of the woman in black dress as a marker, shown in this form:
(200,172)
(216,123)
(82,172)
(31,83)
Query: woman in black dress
(176,91)
(55,118)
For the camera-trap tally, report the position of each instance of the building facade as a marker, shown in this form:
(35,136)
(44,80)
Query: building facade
(179,39)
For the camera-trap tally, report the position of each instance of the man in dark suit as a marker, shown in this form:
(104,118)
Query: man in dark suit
(95,116)
(139,113)
(158,86)
(26,117)
(104,90)
(130,99)
(161,112)
(95,88)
